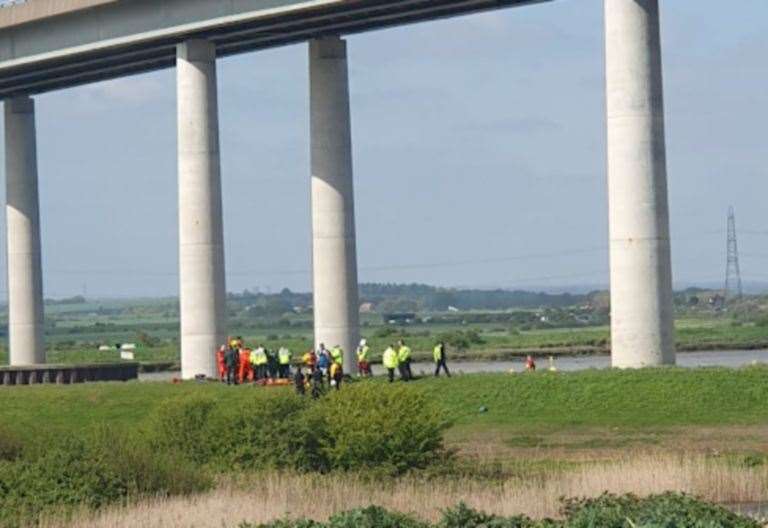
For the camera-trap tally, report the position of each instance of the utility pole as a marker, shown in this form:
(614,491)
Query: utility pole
(733,288)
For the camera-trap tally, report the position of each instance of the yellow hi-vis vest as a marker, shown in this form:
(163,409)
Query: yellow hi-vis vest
(259,357)
(362,353)
(438,353)
(337,355)
(284,356)
(390,358)
(404,354)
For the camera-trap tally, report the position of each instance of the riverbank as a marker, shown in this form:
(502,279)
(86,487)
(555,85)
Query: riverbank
(513,437)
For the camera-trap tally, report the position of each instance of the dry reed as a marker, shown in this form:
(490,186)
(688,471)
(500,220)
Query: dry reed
(317,497)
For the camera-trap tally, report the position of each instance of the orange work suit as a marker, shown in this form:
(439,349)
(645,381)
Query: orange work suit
(220,363)
(245,371)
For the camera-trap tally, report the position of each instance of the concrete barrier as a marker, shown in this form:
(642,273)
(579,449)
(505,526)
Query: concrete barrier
(67,374)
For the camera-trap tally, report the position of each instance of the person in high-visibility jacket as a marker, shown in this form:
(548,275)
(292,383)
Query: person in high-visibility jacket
(438,354)
(337,355)
(244,372)
(363,362)
(284,362)
(337,375)
(404,360)
(390,361)
(259,362)
(220,365)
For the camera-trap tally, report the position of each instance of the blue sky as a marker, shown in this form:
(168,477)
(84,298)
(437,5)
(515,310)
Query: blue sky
(479,151)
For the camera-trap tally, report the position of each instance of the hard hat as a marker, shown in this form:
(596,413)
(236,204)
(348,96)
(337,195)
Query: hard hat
(363,342)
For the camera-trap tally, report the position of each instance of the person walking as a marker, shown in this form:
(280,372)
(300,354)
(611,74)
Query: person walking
(404,360)
(231,360)
(363,362)
(284,359)
(438,355)
(390,361)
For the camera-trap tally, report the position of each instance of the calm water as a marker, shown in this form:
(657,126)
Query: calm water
(717,358)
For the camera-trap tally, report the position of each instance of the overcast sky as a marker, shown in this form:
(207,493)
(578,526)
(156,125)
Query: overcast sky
(479,151)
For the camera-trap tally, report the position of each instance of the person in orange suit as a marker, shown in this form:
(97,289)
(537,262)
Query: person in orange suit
(220,363)
(244,371)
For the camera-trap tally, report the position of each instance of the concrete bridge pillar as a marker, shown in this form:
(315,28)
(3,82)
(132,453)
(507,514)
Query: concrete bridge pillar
(25,276)
(334,257)
(642,332)
(201,234)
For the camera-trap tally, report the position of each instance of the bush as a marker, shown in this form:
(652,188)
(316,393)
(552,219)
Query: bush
(670,510)
(10,446)
(463,516)
(233,434)
(368,426)
(393,430)
(90,472)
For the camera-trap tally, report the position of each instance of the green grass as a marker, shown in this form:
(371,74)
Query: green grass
(653,398)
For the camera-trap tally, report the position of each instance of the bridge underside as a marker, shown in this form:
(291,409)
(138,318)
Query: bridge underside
(74,62)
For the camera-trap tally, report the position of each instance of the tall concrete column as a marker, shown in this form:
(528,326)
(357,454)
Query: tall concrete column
(334,256)
(642,332)
(201,234)
(25,276)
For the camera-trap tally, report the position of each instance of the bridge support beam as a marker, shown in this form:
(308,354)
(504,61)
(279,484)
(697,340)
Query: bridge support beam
(201,233)
(25,276)
(642,331)
(334,255)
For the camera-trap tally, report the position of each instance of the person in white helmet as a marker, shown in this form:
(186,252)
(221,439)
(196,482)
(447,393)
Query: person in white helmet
(363,359)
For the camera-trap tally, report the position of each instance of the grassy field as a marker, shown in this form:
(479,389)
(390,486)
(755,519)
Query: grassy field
(492,341)
(522,441)
(655,399)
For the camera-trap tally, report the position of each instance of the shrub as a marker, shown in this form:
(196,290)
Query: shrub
(233,434)
(370,517)
(10,446)
(670,510)
(463,516)
(394,429)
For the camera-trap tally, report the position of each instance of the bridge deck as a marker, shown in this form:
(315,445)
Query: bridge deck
(121,37)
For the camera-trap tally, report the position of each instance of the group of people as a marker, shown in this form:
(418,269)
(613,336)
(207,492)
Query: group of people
(239,364)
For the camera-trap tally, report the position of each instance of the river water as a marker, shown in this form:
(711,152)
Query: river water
(715,358)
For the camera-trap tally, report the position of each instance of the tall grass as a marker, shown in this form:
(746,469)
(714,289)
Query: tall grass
(275,495)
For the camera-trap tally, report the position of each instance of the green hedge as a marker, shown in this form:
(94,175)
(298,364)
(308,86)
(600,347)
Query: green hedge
(669,510)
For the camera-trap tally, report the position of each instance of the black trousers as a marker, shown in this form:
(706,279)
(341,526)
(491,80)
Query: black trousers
(284,370)
(405,370)
(441,364)
(391,374)
(231,375)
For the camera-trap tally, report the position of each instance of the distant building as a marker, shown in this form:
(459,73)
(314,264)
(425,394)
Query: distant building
(399,318)
(367,307)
